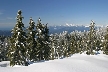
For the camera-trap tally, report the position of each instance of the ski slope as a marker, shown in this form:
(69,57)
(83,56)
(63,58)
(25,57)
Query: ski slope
(75,63)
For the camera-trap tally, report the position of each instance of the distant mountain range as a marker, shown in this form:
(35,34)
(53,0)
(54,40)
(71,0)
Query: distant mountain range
(59,29)
(53,29)
(5,32)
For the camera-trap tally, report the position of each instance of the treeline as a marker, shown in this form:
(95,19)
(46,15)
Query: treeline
(35,44)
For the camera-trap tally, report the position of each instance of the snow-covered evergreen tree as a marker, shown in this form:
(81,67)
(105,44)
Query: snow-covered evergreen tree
(31,42)
(3,48)
(53,46)
(72,44)
(65,44)
(83,41)
(47,41)
(17,49)
(105,43)
(98,41)
(42,36)
(91,38)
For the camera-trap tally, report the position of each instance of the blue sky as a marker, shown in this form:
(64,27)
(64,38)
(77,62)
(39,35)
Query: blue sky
(54,12)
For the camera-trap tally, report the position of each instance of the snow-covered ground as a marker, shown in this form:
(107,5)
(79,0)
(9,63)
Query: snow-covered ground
(75,63)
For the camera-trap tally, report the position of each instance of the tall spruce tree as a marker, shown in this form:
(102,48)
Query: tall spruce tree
(17,49)
(91,38)
(5,49)
(1,48)
(42,34)
(84,42)
(72,44)
(4,45)
(47,42)
(31,42)
(65,44)
(53,46)
(105,43)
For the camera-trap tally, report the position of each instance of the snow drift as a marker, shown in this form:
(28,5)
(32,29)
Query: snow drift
(75,63)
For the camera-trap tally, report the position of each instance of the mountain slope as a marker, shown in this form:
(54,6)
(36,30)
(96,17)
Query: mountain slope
(75,63)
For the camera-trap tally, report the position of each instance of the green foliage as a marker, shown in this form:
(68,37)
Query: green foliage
(42,35)
(91,39)
(35,44)
(53,46)
(72,44)
(4,45)
(17,49)
(105,44)
(31,42)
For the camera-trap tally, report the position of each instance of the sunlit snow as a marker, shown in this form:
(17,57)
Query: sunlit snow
(75,63)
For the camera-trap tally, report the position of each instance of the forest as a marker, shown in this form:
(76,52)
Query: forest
(34,43)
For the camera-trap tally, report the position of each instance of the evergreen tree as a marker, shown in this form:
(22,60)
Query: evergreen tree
(78,42)
(91,38)
(98,43)
(42,35)
(65,44)
(31,42)
(59,46)
(72,44)
(3,48)
(17,49)
(83,42)
(47,41)
(53,46)
(105,43)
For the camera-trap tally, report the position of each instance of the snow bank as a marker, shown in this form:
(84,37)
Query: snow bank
(75,63)
(4,64)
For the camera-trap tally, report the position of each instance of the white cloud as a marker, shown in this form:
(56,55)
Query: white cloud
(7,24)
(9,18)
